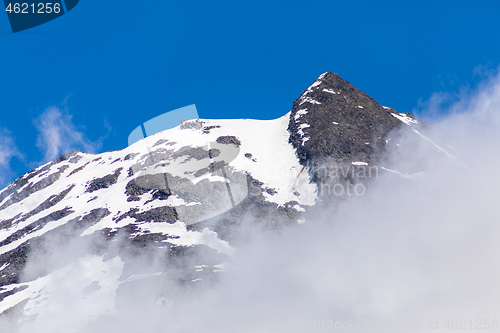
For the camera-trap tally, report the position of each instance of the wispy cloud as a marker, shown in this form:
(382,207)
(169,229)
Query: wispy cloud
(58,134)
(465,101)
(8,151)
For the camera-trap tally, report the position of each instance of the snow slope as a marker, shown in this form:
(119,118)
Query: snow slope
(94,192)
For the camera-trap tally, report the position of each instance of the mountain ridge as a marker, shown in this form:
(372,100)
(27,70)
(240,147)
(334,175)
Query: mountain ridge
(185,192)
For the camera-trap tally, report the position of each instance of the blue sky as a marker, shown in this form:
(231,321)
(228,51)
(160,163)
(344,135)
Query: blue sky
(88,78)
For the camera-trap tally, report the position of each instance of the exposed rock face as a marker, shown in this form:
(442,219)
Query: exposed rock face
(227,140)
(21,188)
(332,119)
(104,182)
(187,191)
(340,134)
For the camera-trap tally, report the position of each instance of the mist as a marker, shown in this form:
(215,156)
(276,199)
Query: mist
(413,253)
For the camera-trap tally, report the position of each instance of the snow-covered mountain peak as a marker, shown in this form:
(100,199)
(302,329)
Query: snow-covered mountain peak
(184,193)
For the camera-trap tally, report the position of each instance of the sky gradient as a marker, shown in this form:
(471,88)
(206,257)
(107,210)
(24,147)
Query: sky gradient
(87,79)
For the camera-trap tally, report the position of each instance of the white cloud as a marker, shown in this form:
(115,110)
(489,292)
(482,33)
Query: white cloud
(58,134)
(8,151)
(407,252)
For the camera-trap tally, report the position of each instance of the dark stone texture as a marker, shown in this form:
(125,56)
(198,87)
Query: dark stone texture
(95,216)
(78,169)
(17,259)
(356,126)
(104,182)
(159,214)
(228,140)
(51,201)
(347,126)
(154,183)
(15,189)
(197,153)
(207,129)
(134,191)
(130,156)
(57,215)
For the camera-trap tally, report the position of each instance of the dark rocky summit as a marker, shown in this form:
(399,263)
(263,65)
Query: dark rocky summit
(340,122)
(333,120)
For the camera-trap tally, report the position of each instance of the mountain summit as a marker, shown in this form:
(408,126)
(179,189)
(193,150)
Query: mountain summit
(182,194)
(334,119)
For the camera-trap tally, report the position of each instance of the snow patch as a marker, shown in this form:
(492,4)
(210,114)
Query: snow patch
(308,100)
(332,91)
(321,76)
(300,113)
(301,129)
(404,118)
